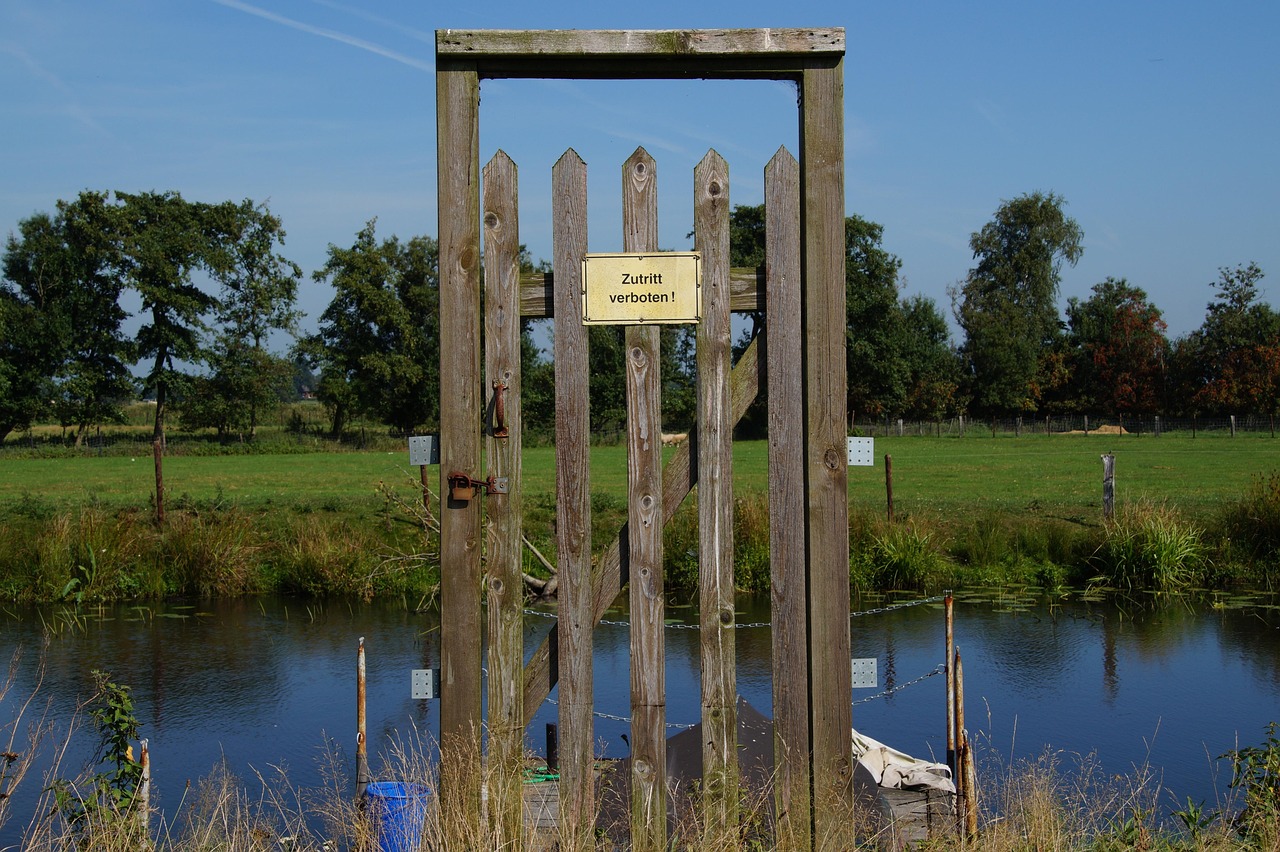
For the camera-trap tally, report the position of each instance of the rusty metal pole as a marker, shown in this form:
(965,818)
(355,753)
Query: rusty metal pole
(949,620)
(362,757)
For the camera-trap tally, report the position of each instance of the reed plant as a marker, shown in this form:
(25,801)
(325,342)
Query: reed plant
(1251,525)
(1149,547)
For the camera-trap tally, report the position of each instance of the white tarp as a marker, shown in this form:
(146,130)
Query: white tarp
(892,768)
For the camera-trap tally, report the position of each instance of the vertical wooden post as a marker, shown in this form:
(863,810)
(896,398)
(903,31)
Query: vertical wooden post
(715,503)
(504,511)
(643,552)
(1233,425)
(458,190)
(426,496)
(888,486)
(573,506)
(144,785)
(1108,486)
(788,582)
(826,455)
(962,797)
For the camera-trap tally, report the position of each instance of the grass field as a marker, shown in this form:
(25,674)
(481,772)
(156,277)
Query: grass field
(968,510)
(1059,475)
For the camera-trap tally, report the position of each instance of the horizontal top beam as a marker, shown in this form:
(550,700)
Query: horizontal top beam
(635,54)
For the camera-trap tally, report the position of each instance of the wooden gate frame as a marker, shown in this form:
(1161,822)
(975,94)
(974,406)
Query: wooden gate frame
(812,58)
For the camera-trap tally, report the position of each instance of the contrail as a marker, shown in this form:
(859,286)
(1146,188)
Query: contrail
(329,34)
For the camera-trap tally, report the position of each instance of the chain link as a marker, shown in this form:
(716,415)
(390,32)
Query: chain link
(892,607)
(939,669)
(627,719)
(753,624)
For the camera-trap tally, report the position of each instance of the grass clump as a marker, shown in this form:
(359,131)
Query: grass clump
(1150,547)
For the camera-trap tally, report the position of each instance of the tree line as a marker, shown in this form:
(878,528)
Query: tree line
(212,287)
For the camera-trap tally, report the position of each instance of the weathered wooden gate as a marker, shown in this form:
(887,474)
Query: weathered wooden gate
(802,289)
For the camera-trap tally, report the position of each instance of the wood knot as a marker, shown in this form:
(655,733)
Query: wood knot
(714,189)
(491,220)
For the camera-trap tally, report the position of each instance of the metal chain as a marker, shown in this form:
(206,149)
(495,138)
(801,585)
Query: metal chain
(754,624)
(937,671)
(892,607)
(626,719)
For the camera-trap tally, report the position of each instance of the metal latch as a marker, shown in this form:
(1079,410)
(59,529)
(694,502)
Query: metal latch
(462,488)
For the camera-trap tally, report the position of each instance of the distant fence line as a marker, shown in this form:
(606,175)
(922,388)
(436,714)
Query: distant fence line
(292,431)
(1069,424)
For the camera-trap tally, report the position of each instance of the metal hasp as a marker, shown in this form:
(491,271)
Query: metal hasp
(423,684)
(862,452)
(424,449)
(462,487)
(864,673)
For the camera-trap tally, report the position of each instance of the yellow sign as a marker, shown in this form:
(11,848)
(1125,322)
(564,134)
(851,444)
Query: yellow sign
(637,289)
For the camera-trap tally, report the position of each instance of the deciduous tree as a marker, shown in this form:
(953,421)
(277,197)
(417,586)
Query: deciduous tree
(1007,305)
(378,344)
(1119,351)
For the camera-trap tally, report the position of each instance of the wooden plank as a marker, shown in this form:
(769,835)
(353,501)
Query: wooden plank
(458,174)
(715,503)
(503,551)
(746,292)
(642,552)
(679,476)
(573,505)
(780,53)
(783,357)
(822,191)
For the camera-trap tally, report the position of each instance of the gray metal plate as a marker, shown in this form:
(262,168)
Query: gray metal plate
(424,449)
(862,452)
(864,673)
(424,683)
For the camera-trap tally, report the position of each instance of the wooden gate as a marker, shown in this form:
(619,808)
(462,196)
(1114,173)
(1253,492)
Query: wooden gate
(801,289)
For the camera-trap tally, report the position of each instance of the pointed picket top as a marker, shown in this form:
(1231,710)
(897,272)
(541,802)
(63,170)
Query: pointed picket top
(640,196)
(782,159)
(569,157)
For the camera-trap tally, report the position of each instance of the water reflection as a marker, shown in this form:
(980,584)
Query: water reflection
(270,683)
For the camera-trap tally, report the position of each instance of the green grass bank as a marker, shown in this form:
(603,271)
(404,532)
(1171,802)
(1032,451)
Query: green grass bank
(1192,512)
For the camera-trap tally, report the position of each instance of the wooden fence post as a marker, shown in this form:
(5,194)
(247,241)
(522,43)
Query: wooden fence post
(643,553)
(504,508)
(573,507)
(1108,486)
(715,503)
(783,348)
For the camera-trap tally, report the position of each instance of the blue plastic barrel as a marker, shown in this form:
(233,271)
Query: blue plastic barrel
(398,810)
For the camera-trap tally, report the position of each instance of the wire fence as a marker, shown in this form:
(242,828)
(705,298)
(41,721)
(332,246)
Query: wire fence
(1070,424)
(887,693)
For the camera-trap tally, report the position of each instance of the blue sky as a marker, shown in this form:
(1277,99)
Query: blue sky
(1156,122)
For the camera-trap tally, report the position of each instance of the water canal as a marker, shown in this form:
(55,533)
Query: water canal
(269,685)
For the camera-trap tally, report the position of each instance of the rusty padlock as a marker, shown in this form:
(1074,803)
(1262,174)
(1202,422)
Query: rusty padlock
(461,487)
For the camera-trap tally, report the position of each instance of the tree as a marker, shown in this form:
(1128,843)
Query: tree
(898,356)
(162,240)
(1119,351)
(1230,362)
(378,345)
(1007,305)
(259,288)
(932,369)
(63,349)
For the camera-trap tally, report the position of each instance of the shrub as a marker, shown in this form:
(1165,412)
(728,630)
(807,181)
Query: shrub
(1252,524)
